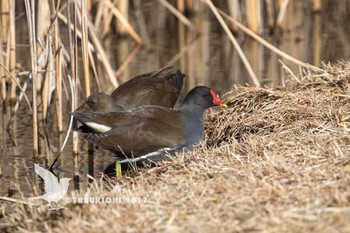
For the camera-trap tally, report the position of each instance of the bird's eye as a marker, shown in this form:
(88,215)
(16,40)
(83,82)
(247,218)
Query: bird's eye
(92,101)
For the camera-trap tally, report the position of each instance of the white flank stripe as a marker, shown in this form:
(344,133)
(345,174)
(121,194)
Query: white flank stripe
(98,127)
(151,154)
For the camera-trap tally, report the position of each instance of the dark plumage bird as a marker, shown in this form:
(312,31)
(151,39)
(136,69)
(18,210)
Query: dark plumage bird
(149,131)
(161,88)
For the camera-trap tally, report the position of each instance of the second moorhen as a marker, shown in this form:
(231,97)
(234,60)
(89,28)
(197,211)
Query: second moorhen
(150,131)
(161,88)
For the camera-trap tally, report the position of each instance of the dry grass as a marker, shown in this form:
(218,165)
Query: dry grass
(277,161)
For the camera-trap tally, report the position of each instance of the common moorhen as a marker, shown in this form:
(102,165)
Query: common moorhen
(161,88)
(150,131)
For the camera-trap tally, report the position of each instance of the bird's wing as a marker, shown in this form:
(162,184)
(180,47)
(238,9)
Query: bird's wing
(102,122)
(134,116)
(51,181)
(156,129)
(160,88)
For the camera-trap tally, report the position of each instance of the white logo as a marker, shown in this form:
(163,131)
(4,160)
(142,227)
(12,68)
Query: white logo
(54,190)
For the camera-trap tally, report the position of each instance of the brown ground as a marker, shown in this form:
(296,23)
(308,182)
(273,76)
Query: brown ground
(277,161)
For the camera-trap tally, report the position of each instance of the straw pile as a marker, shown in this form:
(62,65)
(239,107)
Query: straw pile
(277,161)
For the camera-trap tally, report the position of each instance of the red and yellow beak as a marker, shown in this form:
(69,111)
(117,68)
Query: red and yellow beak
(217,101)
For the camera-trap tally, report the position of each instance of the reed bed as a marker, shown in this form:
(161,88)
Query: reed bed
(276,161)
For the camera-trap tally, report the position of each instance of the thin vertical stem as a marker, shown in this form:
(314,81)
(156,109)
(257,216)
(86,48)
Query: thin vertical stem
(85,49)
(73,62)
(12,50)
(281,13)
(235,12)
(180,4)
(122,6)
(317,5)
(2,72)
(4,30)
(253,15)
(58,67)
(30,10)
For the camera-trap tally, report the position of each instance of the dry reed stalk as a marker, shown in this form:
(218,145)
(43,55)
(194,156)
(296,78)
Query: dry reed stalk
(123,7)
(2,72)
(123,21)
(281,13)
(5,10)
(256,58)
(88,5)
(57,47)
(316,34)
(268,45)
(48,79)
(12,50)
(85,48)
(234,42)
(74,64)
(234,9)
(317,6)
(42,31)
(181,44)
(178,14)
(180,5)
(58,68)
(85,54)
(270,13)
(30,11)
(73,51)
(253,9)
(189,6)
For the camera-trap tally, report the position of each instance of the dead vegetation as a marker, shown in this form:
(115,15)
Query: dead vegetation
(277,161)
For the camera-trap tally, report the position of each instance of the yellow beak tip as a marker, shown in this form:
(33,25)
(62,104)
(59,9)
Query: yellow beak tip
(223,106)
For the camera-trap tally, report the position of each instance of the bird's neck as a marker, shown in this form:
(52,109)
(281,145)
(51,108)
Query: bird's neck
(193,109)
(193,120)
